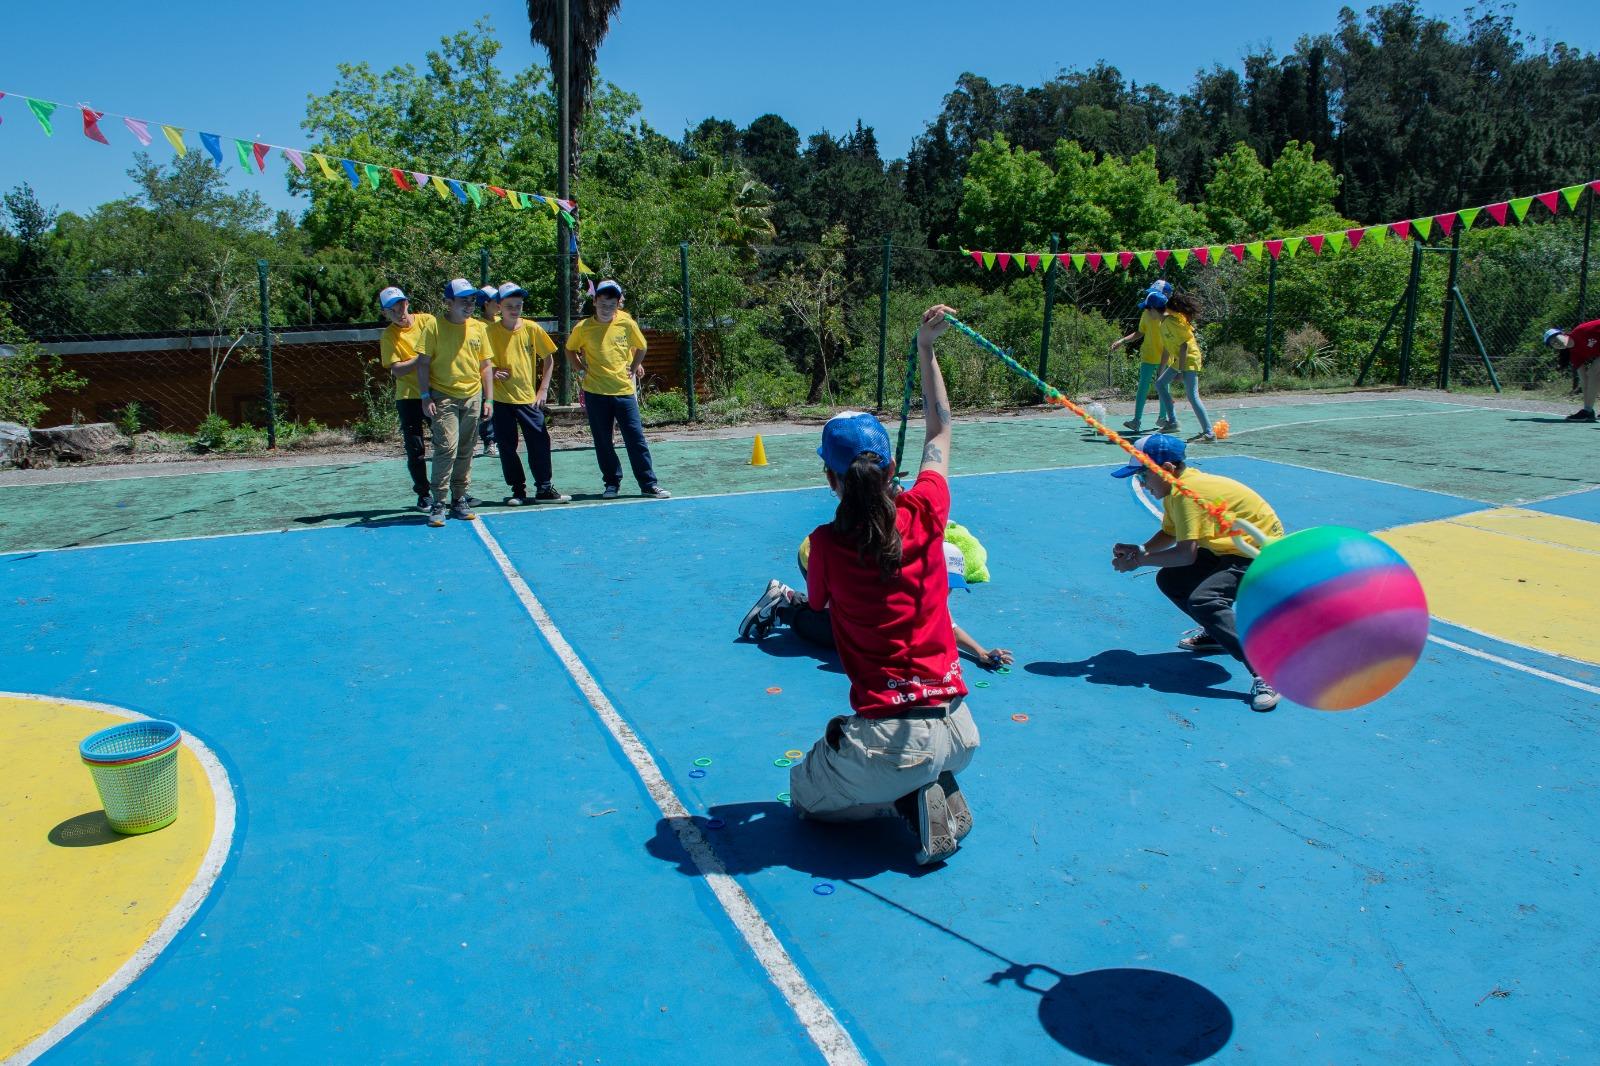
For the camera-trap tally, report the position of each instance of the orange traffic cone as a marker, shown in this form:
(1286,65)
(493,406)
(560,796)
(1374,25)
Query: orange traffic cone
(758,454)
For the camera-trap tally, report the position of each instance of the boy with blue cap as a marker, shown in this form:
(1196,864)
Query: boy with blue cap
(1200,568)
(1150,362)
(457,389)
(400,349)
(524,357)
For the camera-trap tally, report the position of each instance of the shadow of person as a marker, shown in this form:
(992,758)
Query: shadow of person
(756,836)
(387,516)
(787,644)
(1127,1017)
(86,830)
(1179,672)
(1555,420)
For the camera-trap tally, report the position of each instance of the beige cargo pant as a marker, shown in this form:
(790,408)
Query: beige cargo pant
(455,431)
(862,765)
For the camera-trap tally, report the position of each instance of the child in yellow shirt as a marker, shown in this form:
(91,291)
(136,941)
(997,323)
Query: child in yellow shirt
(1180,354)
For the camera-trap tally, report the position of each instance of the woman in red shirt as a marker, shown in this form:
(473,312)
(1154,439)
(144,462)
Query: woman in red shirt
(879,569)
(1582,347)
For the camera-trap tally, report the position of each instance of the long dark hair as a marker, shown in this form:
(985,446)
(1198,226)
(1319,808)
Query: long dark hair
(1186,305)
(866,513)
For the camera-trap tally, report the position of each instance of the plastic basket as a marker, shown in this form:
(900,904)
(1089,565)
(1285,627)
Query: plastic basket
(135,770)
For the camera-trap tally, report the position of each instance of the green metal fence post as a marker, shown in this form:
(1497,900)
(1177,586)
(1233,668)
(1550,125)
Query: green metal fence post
(1447,344)
(483,266)
(563,306)
(1049,307)
(1477,338)
(1266,347)
(1583,267)
(1409,336)
(266,355)
(883,322)
(688,329)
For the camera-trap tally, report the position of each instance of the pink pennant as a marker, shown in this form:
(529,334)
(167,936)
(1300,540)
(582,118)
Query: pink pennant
(296,159)
(400,177)
(1065,259)
(1550,199)
(1274,248)
(138,129)
(1032,262)
(1316,240)
(1498,211)
(1123,259)
(1202,253)
(1400,229)
(1237,251)
(1004,259)
(1594,186)
(260,151)
(977,256)
(91,125)
(1162,255)
(421,179)
(1095,259)
(1354,236)
(1447,222)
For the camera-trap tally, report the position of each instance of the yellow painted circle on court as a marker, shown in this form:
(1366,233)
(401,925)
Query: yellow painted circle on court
(78,902)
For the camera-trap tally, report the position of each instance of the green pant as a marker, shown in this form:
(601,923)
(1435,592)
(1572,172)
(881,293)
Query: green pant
(455,431)
(1147,374)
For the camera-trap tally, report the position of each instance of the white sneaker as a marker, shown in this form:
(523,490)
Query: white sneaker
(960,813)
(1263,697)
(935,840)
(758,620)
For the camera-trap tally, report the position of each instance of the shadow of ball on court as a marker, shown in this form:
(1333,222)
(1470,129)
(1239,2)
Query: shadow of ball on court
(1129,1017)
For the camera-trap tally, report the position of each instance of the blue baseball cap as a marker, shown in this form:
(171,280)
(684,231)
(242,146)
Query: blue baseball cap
(1160,447)
(459,288)
(390,296)
(510,289)
(1551,334)
(851,434)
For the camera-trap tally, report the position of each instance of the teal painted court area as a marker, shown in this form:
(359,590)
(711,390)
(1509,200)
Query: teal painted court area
(446,854)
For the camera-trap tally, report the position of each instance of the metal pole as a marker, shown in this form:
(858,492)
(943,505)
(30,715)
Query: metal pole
(883,322)
(905,406)
(1447,345)
(1413,283)
(688,329)
(1394,312)
(563,185)
(483,266)
(1266,348)
(1483,353)
(1049,307)
(1583,268)
(266,356)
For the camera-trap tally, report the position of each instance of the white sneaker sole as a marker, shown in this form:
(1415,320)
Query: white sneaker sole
(938,842)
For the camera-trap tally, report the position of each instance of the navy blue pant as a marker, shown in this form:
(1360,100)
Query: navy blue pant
(487,430)
(623,412)
(527,419)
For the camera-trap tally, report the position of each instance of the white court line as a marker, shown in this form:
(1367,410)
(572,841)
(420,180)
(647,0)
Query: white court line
(1351,418)
(181,912)
(1535,671)
(818,1019)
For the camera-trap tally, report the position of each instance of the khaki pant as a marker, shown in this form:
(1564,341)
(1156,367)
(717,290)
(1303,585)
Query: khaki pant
(455,431)
(862,765)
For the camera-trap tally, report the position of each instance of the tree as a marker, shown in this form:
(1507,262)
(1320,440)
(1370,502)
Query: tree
(588,23)
(28,374)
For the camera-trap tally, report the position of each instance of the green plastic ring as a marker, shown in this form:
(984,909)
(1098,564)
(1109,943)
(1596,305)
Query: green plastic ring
(782,762)
(702,761)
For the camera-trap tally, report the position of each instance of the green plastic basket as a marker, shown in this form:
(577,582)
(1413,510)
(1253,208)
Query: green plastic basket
(135,770)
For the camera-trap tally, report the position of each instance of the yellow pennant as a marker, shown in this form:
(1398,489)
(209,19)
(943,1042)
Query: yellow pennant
(327,171)
(441,188)
(175,138)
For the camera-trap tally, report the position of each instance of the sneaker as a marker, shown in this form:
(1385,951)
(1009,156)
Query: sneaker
(1203,438)
(1131,425)
(462,510)
(758,620)
(610,493)
(548,494)
(1584,415)
(436,515)
(928,814)
(424,502)
(520,498)
(473,501)
(1263,697)
(656,492)
(1167,425)
(1200,642)
(960,813)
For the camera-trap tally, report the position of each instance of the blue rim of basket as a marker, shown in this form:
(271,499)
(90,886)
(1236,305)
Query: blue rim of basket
(120,758)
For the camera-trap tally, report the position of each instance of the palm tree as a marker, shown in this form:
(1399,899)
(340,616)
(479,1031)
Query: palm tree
(589,20)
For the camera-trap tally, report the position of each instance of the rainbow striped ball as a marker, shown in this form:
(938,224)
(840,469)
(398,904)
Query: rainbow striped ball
(1332,617)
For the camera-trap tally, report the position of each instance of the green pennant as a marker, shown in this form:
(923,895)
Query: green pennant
(42,110)
(988,260)
(476,192)
(1520,205)
(1215,257)
(1144,258)
(374,173)
(1376,235)
(571,222)
(1423,226)
(1110,260)
(1079,261)
(1291,245)
(243,148)
(1571,194)
(516,199)
(1254,248)
(1181,255)
(1335,242)
(1468,216)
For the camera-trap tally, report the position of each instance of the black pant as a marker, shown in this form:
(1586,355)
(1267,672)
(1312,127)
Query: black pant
(487,430)
(1205,590)
(414,434)
(528,419)
(814,627)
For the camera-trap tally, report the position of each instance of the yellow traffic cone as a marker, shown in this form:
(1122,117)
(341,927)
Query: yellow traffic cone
(758,454)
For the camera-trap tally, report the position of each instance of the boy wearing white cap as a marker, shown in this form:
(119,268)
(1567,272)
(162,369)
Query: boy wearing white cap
(488,301)
(400,348)
(607,351)
(455,382)
(524,358)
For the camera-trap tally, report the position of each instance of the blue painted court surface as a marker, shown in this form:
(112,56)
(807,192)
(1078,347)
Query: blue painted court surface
(443,854)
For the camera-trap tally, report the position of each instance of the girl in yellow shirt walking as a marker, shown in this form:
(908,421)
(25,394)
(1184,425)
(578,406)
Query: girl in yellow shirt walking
(1180,354)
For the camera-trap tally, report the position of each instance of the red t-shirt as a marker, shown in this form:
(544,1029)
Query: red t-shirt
(1585,342)
(894,637)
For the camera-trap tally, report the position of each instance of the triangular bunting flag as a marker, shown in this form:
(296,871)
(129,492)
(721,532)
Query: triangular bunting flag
(351,173)
(1031,261)
(260,151)
(583,268)
(243,150)
(1316,241)
(1095,259)
(1065,259)
(213,143)
(1181,255)
(988,260)
(422,180)
(1162,255)
(1238,251)
(1401,229)
(1469,215)
(1203,254)
(1379,234)
(1254,248)
(1291,245)
(1594,186)
(1447,222)
(456,188)
(322,163)
(441,188)
(175,138)
(1424,226)
(1520,205)
(1111,261)
(400,178)
(91,125)
(295,159)
(497,190)
(516,201)
(374,173)
(42,110)
(977,256)
(1274,248)
(1144,259)
(1570,194)
(1498,211)
(1004,259)
(1550,200)
(476,192)
(1215,251)
(1124,259)
(1354,237)
(139,129)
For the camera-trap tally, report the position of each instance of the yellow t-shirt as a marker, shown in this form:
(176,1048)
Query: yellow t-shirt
(608,351)
(1185,520)
(398,345)
(1150,334)
(523,352)
(1177,337)
(456,358)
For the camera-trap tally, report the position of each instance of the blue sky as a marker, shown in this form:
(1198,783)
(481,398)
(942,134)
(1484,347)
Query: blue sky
(821,65)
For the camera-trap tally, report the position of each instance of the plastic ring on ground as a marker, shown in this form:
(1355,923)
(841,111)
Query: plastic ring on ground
(1002,669)
(794,753)
(824,889)
(980,684)
(783,797)
(697,773)
(715,823)
(1019,718)
(702,761)
(782,762)
(774,690)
